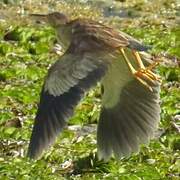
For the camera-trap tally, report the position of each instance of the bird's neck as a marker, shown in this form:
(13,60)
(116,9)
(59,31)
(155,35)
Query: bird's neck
(64,34)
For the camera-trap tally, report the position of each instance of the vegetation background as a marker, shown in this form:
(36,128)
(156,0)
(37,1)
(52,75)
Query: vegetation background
(26,52)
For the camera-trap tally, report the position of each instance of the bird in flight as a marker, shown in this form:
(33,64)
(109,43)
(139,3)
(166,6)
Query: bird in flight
(94,53)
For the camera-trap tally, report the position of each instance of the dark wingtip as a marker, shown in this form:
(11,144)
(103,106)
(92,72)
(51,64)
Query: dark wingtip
(55,110)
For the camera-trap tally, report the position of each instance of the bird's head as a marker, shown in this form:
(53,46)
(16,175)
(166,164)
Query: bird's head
(55,19)
(59,22)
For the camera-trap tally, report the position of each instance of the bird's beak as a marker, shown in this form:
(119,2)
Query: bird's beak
(39,18)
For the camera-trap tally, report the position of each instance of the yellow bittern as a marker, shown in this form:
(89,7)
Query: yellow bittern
(94,52)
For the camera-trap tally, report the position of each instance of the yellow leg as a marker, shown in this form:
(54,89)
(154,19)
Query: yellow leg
(146,70)
(138,75)
(131,68)
(138,59)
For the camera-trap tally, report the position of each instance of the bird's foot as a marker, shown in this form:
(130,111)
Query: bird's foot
(145,74)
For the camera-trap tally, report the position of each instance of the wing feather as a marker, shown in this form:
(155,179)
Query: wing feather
(130,112)
(63,89)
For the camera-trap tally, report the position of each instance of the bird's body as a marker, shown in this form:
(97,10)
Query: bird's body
(95,52)
(99,36)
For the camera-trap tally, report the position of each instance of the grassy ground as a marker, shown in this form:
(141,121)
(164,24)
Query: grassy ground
(25,54)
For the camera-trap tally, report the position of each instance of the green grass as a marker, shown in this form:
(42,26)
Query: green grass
(25,55)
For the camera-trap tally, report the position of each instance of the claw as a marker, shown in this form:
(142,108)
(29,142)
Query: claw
(144,83)
(151,76)
(147,70)
(153,65)
(143,72)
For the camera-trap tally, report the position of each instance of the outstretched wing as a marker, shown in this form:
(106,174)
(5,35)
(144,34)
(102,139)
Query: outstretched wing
(67,81)
(130,111)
